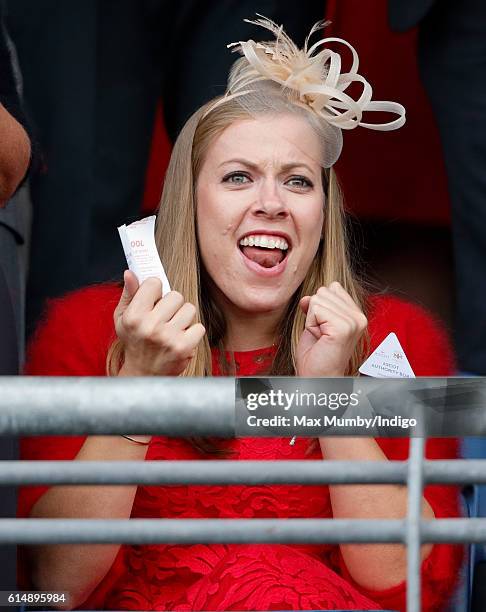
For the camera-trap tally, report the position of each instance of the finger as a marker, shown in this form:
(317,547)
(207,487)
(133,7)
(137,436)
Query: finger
(335,310)
(327,299)
(316,316)
(325,296)
(339,290)
(184,317)
(148,294)
(130,287)
(319,316)
(335,304)
(313,323)
(167,307)
(346,306)
(358,314)
(194,335)
(131,282)
(304,303)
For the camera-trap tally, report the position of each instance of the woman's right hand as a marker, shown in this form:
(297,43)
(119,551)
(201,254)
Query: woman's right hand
(158,333)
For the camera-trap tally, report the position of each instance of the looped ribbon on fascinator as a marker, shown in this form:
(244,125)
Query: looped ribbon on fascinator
(314,76)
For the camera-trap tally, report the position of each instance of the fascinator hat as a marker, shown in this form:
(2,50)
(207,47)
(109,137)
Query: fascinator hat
(277,76)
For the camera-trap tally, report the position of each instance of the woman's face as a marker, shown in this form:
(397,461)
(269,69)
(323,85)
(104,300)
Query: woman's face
(260,211)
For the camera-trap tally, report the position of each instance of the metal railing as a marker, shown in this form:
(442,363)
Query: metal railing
(205,407)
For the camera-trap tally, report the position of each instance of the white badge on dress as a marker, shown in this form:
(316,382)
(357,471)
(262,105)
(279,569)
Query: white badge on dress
(388,360)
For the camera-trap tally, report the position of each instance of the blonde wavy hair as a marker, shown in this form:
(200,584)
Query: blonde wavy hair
(177,243)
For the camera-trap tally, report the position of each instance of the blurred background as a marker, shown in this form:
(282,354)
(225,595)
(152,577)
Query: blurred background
(107,85)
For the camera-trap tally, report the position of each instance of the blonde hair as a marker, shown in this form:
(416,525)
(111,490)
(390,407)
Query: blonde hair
(176,240)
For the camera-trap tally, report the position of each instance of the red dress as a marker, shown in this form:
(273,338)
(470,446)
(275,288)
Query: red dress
(73,341)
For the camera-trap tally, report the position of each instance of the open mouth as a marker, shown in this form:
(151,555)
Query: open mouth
(267,251)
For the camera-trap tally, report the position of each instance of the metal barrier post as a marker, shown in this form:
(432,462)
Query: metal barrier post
(414,513)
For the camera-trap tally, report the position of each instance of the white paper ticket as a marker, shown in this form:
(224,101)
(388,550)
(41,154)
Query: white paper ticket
(143,259)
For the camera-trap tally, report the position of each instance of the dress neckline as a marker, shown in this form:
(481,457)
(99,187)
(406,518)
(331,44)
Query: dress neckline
(250,362)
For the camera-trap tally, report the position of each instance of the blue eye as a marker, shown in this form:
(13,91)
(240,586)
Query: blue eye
(236,178)
(300,182)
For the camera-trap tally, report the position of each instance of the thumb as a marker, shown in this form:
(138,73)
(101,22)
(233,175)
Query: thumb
(129,290)
(304,303)
(309,328)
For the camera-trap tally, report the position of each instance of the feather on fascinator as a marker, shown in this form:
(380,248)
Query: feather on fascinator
(309,78)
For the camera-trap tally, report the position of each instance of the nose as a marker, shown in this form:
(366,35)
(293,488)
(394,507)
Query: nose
(271,201)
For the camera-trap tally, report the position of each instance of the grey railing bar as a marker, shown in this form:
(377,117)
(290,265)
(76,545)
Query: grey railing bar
(455,471)
(196,531)
(242,531)
(199,472)
(413,523)
(454,531)
(235,472)
(101,405)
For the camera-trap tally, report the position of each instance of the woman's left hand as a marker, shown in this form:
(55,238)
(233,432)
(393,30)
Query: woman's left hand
(333,326)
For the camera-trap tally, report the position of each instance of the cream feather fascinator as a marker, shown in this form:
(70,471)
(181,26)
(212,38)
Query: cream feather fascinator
(310,78)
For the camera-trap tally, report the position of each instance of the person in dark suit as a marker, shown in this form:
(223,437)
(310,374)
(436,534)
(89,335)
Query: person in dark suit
(452,61)
(15,158)
(15,153)
(94,72)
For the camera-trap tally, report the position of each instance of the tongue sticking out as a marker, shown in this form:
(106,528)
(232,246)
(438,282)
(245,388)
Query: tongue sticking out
(268,258)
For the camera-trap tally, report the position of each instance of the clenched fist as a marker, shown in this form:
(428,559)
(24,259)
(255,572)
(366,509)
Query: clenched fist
(333,326)
(158,332)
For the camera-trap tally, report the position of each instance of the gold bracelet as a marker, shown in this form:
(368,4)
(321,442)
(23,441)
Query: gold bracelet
(136,441)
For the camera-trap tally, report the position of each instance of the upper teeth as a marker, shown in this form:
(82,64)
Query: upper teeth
(269,242)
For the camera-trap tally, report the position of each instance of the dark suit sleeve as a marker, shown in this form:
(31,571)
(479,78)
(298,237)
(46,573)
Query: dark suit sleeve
(9,95)
(9,91)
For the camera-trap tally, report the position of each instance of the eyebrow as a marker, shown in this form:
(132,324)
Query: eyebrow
(249,164)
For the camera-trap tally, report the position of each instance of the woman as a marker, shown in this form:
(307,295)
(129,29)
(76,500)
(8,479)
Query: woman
(251,235)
